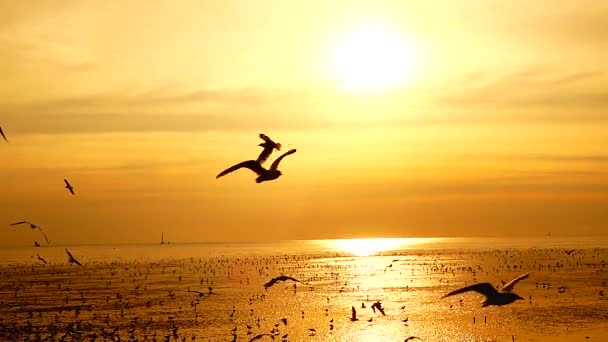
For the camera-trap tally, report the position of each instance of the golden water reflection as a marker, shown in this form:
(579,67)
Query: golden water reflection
(365,247)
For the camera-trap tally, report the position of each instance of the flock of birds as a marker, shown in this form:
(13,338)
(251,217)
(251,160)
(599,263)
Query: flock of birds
(494,296)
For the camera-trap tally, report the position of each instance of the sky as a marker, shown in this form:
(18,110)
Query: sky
(496,123)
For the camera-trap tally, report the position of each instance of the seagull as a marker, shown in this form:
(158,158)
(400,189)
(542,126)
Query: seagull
(40,258)
(353,316)
(378,305)
(69,186)
(268,146)
(36,244)
(33,226)
(4,136)
(493,296)
(257,337)
(263,174)
(411,338)
(277,279)
(72,259)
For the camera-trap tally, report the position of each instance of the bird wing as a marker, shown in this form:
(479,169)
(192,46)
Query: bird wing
(265,154)
(20,222)
(72,259)
(250,164)
(271,282)
(269,145)
(290,278)
(510,285)
(45,238)
(485,289)
(69,186)
(275,164)
(3,136)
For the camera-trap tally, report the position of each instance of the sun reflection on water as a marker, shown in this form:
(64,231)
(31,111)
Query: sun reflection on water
(365,247)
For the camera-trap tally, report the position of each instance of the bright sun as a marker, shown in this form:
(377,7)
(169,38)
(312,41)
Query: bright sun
(372,59)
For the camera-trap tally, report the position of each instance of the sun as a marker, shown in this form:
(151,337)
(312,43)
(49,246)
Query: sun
(371,58)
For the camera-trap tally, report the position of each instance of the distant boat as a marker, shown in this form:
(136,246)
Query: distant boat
(162,238)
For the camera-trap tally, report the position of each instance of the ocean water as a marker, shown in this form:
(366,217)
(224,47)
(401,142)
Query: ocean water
(215,292)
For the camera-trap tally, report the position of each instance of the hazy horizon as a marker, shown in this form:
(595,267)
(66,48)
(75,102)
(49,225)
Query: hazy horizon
(410,119)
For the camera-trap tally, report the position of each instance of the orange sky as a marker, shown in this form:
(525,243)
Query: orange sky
(497,128)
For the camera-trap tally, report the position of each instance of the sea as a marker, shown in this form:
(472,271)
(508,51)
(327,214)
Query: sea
(325,290)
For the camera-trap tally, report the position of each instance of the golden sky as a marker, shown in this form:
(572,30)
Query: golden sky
(497,124)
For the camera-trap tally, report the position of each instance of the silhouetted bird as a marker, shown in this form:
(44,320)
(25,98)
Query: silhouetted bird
(268,146)
(277,279)
(353,316)
(493,296)
(257,337)
(4,136)
(378,306)
(36,244)
(40,258)
(69,186)
(72,260)
(33,226)
(411,338)
(263,174)
(570,251)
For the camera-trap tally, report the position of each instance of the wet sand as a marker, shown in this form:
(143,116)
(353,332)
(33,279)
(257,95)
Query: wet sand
(155,299)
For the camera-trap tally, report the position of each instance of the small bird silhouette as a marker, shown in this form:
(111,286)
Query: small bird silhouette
(40,258)
(378,306)
(411,338)
(33,226)
(2,134)
(268,146)
(494,296)
(69,186)
(353,316)
(263,174)
(279,278)
(72,260)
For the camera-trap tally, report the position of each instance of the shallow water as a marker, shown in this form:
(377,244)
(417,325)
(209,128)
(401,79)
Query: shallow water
(141,291)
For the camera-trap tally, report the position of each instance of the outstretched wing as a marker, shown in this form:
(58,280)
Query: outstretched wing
(268,145)
(250,164)
(271,282)
(485,289)
(3,136)
(510,285)
(17,223)
(45,238)
(275,164)
(72,259)
(69,186)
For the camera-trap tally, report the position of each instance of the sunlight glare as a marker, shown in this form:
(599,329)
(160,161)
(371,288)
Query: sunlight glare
(365,247)
(372,59)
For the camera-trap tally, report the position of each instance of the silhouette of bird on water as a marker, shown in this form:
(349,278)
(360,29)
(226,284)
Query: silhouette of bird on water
(493,296)
(353,316)
(411,338)
(263,174)
(36,244)
(279,278)
(40,258)
(69,186)
(72,260)
(33,226)
(268,146)
(257,337)
(3,136)
(378,306)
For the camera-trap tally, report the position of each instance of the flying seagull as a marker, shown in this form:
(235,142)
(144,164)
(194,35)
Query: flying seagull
(411,338)
(4,136)
(279,278)
(493,296)
(378,305)
(72,259)
(268,146)
(33,226)
(40,258)
(353,316)
(263,174)
(69,186)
